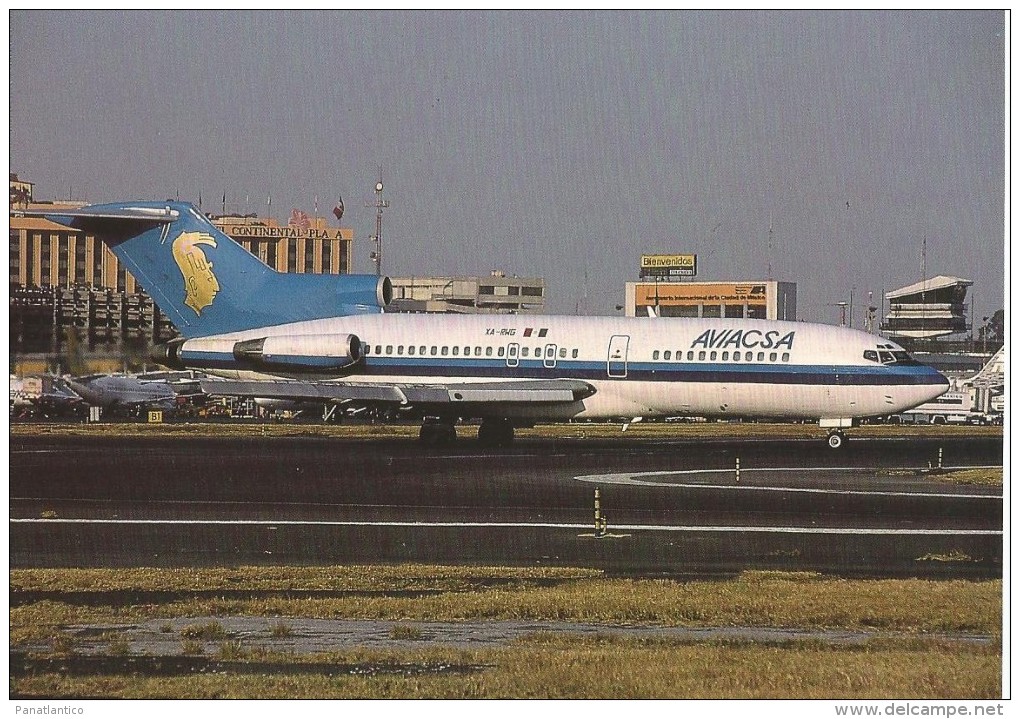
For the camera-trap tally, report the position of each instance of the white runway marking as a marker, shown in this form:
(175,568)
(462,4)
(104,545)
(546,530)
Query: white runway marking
(514,525)
(634,479)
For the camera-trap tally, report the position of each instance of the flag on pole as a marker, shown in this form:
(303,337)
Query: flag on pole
(339,209)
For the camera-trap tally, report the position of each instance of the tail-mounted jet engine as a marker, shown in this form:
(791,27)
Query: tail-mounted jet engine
(316,353)
(287,353)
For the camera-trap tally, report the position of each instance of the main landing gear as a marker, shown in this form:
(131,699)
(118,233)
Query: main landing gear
(496,433)
(437,432)
(441,432)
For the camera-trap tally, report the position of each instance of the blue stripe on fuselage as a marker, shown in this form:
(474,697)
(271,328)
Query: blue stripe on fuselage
(654,372)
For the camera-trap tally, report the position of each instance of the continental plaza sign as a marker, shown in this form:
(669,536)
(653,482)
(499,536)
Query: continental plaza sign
(266,232)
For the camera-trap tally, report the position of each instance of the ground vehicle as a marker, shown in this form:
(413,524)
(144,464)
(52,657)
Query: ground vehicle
(949,408)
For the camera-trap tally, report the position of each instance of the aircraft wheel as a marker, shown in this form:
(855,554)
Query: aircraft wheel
(496,433)
(836,440)
(506,433)
(437,434)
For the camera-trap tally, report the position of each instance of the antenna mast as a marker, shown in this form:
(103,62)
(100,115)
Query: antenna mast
(924,279)
(379,204)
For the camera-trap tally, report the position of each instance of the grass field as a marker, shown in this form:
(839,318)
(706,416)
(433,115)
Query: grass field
(917,649)
(563,431)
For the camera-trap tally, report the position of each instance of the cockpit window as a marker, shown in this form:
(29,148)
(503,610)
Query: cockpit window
(889,355)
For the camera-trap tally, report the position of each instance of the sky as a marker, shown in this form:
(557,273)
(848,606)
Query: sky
(846,151)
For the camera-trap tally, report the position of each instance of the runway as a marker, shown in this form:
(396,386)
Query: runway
(673,508)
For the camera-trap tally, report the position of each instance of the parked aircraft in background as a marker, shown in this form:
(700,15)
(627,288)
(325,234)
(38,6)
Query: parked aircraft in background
(325,338)
(45,395)
(138,392)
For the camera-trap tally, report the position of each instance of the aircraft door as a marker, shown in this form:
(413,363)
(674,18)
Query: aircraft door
(513,353)
(549,360)
(616,364)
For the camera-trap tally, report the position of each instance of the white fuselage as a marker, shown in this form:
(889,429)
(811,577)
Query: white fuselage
(639,367)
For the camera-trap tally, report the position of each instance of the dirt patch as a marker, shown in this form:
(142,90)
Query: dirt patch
(300,636)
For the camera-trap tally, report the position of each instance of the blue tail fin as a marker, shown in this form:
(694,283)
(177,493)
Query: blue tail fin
(206,283)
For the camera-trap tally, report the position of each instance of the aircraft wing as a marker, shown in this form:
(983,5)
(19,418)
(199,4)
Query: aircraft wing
(442,394)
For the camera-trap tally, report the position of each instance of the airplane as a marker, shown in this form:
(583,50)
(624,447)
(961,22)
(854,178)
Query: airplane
(46,395)
(137,392)
(327,338)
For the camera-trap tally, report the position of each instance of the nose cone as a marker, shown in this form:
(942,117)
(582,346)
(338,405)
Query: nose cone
(936,383)
(84,391)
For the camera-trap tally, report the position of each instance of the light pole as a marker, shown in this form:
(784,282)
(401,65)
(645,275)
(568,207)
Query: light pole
(842,313)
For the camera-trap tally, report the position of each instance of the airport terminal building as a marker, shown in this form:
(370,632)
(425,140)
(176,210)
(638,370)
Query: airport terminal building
(667,288)
(756,299)
(495,294)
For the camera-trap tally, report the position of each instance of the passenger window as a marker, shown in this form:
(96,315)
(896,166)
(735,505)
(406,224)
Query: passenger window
(666,355)
(410,349)
(786,356)
(400,349)
(701,356)
(456,351)
(501,351)
(446,351)
(434,351)
(761,356)
(725,356)
(525,351)
(378,349)
(421,350)
(389,349)
(736,356)
(713,356)
(488,351)
(749,356)
(574,354)
(655,355)
(690,355)
(773,357)
(563,352)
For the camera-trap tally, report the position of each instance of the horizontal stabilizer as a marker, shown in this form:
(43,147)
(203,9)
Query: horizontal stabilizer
(141,214)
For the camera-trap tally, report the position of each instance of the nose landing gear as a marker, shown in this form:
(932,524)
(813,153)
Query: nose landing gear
(837,438)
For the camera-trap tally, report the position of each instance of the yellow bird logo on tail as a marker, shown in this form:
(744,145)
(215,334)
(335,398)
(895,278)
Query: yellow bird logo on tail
(200,284)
